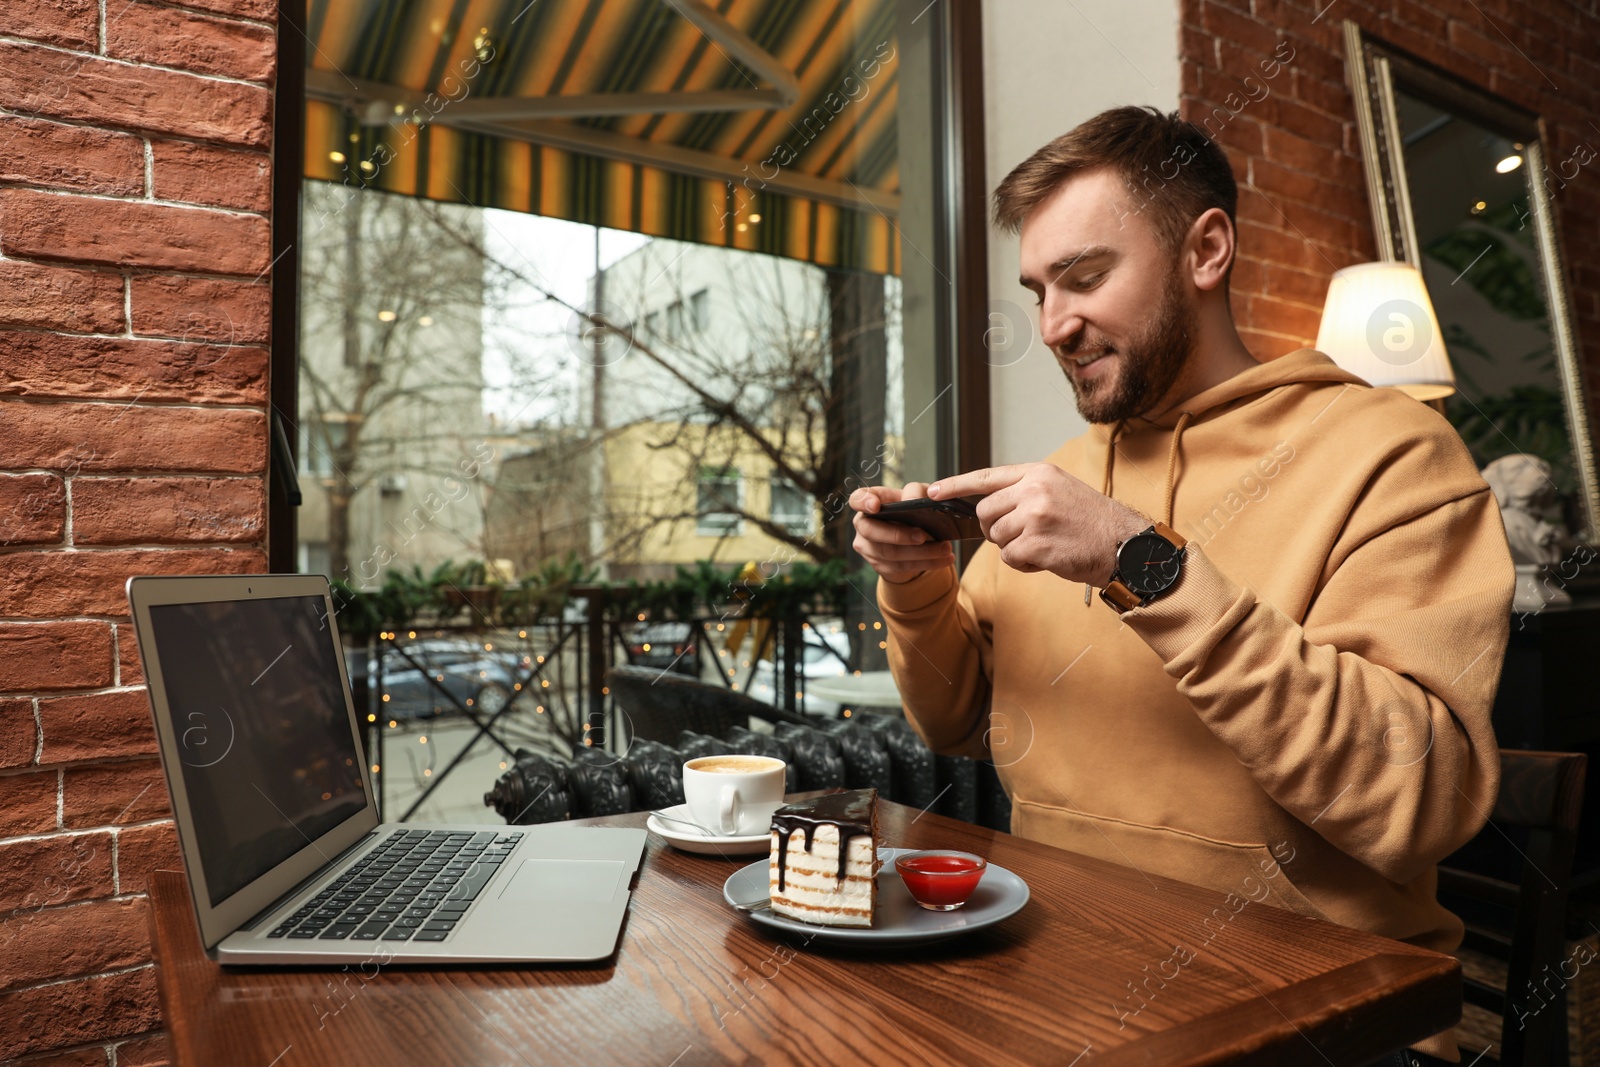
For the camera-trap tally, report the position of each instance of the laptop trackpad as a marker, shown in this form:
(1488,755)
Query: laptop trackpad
(565,881)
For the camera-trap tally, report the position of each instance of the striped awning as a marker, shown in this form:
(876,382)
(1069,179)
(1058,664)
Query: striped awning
(766,125)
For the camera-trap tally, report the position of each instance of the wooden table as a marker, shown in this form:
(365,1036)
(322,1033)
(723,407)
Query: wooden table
(695,983)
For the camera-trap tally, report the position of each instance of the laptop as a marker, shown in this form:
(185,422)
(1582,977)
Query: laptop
(288,862)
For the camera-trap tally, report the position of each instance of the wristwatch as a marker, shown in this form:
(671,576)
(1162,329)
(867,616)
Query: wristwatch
(1149,564)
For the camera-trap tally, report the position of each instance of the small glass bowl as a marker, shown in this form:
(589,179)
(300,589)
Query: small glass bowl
(940,879)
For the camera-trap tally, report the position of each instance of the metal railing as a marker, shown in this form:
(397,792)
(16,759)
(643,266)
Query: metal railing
(558,665)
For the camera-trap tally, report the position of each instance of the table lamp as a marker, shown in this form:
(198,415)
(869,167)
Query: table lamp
(1378,323)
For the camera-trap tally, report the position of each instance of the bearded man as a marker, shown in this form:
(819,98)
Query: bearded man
(1284,691)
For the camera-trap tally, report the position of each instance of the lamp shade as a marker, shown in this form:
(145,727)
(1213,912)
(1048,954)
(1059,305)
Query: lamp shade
(1378,323)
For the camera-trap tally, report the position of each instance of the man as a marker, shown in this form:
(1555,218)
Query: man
(1283,690)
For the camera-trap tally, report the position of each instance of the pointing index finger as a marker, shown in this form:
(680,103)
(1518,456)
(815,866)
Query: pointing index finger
(976,483)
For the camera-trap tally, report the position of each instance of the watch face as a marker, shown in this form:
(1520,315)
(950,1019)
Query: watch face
(1148,564)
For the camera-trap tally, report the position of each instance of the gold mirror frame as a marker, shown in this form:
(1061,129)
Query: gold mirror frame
(1374,69)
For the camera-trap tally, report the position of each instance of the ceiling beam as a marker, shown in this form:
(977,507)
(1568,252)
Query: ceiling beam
(699,164)
(582,105)
(336,88)
(327,85)
(739,45)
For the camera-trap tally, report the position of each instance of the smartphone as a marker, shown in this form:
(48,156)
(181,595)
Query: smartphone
(942,520)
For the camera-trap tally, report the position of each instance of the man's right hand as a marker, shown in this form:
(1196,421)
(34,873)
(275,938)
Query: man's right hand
(897,552)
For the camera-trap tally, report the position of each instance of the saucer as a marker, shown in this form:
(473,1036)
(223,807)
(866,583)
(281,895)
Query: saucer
(898,920)
(684,837)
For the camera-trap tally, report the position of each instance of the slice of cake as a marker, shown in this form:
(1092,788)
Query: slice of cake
(824,862)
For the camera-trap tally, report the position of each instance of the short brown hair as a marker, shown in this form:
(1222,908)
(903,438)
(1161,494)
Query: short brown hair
(1170,167)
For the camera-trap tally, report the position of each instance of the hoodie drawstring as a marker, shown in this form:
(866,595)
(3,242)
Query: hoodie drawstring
(1172,470)
(1111,452)
(1105,490)
(1172,461)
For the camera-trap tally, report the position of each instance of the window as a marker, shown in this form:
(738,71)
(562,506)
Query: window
(699,311)
(791,508)
(424,316)
(314,558)
(717,500)
(318,442)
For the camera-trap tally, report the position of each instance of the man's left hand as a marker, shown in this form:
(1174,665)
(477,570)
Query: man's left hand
(1044,519)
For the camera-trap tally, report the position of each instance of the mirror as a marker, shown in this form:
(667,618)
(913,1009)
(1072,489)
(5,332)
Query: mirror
(1460,188)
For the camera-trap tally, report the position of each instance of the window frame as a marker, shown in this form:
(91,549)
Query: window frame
(283,389)
(798,523)
(729,475)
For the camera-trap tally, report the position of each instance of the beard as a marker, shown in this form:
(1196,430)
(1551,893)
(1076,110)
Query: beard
(1148,366)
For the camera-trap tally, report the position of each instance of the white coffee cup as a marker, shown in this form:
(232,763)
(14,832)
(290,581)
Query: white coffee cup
(733,796)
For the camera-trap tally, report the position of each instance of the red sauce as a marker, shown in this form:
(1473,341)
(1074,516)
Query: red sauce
(940,880)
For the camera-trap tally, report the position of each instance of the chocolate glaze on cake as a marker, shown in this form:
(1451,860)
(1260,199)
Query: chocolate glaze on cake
(850,811)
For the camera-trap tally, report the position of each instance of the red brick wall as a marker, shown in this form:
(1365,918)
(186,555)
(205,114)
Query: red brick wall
(1303,197)
(134,241)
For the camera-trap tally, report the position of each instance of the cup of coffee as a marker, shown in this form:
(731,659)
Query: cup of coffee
(733,796)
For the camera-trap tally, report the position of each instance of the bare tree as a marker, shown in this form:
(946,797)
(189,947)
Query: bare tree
(391,368)
(808,393)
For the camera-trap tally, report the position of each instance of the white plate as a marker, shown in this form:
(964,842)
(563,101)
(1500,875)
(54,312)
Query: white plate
(681,835)
(898,918)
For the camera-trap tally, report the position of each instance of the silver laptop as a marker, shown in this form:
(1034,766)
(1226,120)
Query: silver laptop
(273,802)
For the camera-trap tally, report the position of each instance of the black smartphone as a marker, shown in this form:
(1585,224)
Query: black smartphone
(942,520)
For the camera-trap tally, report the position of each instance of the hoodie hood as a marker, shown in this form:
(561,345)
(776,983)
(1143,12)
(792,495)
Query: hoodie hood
(1301,365)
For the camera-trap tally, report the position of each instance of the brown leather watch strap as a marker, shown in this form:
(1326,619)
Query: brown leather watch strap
(1170,534)
(1119,596)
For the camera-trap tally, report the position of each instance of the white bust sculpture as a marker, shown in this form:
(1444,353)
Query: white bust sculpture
(1524,489)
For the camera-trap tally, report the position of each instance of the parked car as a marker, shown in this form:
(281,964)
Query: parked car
(458,665)
(663,645)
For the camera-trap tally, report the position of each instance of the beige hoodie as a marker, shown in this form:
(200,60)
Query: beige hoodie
(1304,719)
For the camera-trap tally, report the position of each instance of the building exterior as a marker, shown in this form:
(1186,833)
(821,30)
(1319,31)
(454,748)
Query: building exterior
(646,478)
(708,325)
(391,426)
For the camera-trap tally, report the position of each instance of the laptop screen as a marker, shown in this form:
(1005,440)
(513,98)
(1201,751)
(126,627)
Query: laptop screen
(263,724)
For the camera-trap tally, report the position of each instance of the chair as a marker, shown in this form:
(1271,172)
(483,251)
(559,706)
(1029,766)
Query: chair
(867,750)
(661,705)
(1541,793)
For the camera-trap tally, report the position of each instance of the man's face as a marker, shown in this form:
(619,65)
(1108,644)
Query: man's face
(1112,306)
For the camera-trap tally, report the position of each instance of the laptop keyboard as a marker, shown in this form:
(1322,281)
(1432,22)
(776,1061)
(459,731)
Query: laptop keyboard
(415,886)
